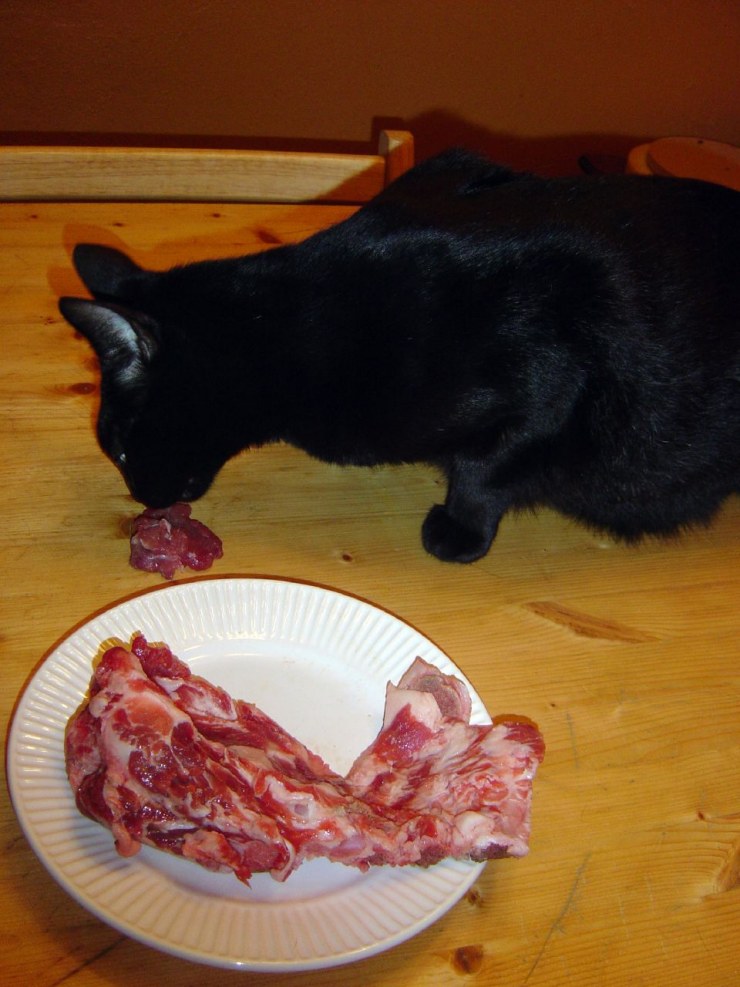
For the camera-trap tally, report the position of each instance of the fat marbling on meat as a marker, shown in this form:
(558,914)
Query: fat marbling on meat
(162,757)
(474,780)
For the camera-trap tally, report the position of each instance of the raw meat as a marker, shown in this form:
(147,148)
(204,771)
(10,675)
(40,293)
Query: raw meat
(428,760)
(163,757)
(167,539)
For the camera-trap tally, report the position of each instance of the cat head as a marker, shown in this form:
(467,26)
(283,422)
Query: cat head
(159,406)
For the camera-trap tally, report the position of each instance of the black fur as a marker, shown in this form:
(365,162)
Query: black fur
(563,342)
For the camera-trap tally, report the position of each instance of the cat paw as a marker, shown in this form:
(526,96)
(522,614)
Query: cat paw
(451,541)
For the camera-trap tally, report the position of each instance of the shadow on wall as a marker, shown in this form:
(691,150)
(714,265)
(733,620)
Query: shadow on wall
(433,131)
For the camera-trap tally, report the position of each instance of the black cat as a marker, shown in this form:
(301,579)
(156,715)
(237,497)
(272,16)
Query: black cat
(563,342)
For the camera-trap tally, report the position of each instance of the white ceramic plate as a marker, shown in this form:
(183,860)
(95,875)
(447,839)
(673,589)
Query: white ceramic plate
(317,661)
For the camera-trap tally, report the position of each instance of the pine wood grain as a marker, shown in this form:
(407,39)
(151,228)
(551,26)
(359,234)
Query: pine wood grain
(142,174)
(626,657)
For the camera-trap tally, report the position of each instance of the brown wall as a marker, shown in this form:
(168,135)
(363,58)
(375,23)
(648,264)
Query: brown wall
(533,82)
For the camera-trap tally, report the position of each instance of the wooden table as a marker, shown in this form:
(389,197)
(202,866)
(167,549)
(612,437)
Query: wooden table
(626,657)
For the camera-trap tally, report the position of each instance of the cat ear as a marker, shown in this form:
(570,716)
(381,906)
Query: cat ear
(124,341)
(104,270)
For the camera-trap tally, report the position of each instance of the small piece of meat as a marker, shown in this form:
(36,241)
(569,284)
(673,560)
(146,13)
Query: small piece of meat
(167,539)
(163,757)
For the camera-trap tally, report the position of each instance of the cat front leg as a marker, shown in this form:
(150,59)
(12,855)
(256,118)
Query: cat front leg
(463,528)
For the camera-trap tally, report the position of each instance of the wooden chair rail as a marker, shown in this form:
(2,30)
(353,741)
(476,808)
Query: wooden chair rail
(200,175)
